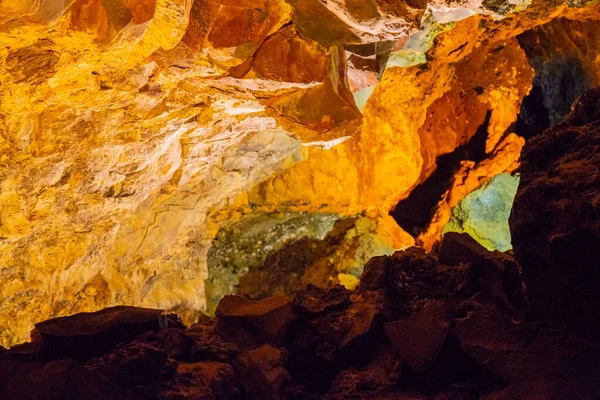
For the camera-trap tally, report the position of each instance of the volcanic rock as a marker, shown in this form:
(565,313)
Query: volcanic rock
(555,221)
(203,380)
(555,365)
(319,346)
(419,338)
(411,279)
(461,247)
(377,378)
(85,335)
(414,329)
(262,373)
(490,272)
(209,345)
(248,323)
(54,380)
(315,300)
(485,328)
(131,132)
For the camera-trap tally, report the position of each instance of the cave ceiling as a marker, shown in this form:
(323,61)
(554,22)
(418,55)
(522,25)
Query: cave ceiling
(134,135)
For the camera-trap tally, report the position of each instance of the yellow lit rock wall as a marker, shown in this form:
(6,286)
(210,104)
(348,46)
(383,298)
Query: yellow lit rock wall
(420,112)
(126,129)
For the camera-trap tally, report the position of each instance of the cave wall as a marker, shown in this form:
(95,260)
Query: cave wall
(132,133)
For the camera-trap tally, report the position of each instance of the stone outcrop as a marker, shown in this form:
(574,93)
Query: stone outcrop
(419,326)
(555,221)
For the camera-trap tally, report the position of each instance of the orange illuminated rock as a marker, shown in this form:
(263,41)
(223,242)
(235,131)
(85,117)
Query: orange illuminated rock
(106,19)
(141,11)
(285,56)
(235,30)
(90,16)
(468,178)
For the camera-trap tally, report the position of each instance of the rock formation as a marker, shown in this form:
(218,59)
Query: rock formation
(555,221)
(136,135)
(463,322)
(419,326)
(484,213)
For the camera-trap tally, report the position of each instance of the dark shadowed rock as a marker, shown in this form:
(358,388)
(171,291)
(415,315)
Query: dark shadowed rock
(248,323)
(377,378)
(490,272)
(54,380)
(419,338)
(209,345)
(323,344)
(459,248)
(262,373)
(374,274)
(203,380)
(85,335)
(314,300)
(555,221)
(411,279)
(24,351)
(486,329)
(139,364)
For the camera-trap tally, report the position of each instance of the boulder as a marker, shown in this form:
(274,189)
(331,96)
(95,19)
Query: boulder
(85,335)
(262,373)
(419,338)
(374,274)
(459,248)
(555,220)
(554,366)
(486,329)
(377,378)
(411,279)
(319,346)
(490,272)
(249,323)
(313,300)
(209,345)
(202,380)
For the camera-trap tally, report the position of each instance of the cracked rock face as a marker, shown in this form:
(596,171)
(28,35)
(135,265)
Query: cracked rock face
(133,132)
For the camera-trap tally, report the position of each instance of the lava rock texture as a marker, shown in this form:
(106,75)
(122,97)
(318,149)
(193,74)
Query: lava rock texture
(555,221)
(419,326)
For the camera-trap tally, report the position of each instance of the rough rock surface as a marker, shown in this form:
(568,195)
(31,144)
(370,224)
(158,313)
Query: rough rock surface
(555,221)
(467,340)
(131,132)
(84,335)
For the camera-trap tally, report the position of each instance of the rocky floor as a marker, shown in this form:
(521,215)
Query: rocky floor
(419,326)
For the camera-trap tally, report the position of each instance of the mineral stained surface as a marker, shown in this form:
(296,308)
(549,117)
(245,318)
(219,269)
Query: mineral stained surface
(133,134)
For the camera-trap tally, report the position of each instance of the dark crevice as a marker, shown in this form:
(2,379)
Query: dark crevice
(534,117)
(414,213)
(560,78)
